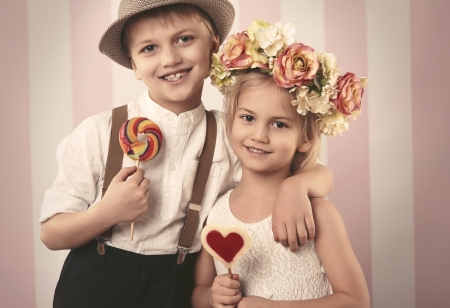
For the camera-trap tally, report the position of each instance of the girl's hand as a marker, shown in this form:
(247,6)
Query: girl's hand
(225,291)
(292,218)
(255,302)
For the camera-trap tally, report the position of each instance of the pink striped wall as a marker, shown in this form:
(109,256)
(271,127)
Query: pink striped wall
(91,70)
(268,10)
(431,148)
(403,251)
(348,156)
(17,288)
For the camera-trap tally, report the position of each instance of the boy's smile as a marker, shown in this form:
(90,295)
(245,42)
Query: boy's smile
(172,57)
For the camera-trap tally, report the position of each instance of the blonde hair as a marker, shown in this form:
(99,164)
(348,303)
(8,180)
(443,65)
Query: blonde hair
(306,125)
(164,15)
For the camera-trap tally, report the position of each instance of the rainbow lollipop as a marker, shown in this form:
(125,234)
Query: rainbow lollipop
(140,150)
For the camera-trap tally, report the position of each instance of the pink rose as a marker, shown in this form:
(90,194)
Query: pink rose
(350,92)
(234,56)
(297,64)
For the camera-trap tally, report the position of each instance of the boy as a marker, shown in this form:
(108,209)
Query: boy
(168,45)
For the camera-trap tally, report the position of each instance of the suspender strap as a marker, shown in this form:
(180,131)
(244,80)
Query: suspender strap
(193,211)
(113,163)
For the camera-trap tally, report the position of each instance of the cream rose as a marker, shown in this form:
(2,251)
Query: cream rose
(350,91)
(297,64)
(234,56)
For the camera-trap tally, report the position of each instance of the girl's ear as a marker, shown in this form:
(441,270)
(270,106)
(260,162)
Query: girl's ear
(215,43)
(136,71)
(303,147)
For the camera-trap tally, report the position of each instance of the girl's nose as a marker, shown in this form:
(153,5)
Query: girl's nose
(170,57)
(260,134)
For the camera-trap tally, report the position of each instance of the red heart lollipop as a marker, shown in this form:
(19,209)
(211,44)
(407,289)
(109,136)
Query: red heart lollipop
(226,244)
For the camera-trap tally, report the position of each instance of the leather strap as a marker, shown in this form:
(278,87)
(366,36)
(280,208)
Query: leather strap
(193,209)
(113,163)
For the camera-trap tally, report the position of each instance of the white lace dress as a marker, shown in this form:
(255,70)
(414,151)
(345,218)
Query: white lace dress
(269,269)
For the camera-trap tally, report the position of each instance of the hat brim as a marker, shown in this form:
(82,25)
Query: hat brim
(220,11)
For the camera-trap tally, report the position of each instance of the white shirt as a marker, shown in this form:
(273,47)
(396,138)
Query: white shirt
(81,159)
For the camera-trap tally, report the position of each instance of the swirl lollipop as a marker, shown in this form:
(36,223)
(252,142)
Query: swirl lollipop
(140,150)
(226,244)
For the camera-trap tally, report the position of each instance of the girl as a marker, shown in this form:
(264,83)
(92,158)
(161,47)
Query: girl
(275,140)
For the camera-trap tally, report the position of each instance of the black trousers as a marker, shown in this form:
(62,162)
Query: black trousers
(122,279)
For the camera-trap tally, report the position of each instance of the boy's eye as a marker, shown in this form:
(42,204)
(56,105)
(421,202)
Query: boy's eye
(185,39)
(279,124)
(149,48)
(247,118)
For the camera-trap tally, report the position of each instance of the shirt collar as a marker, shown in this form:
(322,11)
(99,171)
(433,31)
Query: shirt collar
(154,111)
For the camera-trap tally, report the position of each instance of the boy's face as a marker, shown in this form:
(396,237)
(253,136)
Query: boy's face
(264,135)
(172,59)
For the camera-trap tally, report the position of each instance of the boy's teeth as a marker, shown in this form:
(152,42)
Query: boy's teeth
(174,77)
(257,151)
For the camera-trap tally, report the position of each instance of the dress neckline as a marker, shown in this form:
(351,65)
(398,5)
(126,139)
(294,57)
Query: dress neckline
(248,224)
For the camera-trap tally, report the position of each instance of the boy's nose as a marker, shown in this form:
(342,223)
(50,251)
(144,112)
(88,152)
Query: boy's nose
(170,57)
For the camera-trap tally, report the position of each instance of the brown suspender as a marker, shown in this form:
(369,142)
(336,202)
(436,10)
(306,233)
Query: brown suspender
(114,165)
(204,166)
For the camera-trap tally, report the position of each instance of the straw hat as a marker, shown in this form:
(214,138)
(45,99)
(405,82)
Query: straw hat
(220,11)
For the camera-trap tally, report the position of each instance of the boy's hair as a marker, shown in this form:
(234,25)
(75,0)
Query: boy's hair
(165,15)
(306,125)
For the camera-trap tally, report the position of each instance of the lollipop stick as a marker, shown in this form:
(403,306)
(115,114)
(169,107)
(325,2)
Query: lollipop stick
(230,274)
(132,223)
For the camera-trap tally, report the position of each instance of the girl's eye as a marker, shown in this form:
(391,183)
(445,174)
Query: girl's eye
(150,48)
(279,124)
(185,39)
(247,118)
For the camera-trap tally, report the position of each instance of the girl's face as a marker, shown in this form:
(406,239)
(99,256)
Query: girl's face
(263,134)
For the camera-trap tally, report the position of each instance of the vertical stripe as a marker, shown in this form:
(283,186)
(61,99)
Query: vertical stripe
(125,87)
(51,121)
(309,19)
(16,259)
(348,155)
(391,185)
(91,70)
(430,48)
(267,10)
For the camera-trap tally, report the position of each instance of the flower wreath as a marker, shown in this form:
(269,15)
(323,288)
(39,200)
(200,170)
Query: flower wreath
(314,77)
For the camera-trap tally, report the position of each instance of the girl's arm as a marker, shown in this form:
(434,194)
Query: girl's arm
(340,263)
(211,290)
(124,201)
(292,220)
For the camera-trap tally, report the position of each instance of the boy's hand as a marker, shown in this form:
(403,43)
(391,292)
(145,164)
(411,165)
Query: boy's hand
(225,291)
(292,218)
(127,195)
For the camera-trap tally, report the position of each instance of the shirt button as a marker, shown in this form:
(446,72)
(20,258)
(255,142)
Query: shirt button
(168,194)
(170,117)
(172,167)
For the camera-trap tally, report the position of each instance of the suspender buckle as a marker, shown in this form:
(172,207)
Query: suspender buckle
(101,245)
(182,251)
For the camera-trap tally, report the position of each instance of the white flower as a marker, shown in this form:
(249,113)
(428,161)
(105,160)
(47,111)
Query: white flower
(333,124)
(269,40)
(330,91)
(287,32)
(309,101)
(329,67)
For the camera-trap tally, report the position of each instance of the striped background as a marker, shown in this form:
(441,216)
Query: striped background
(391,170)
